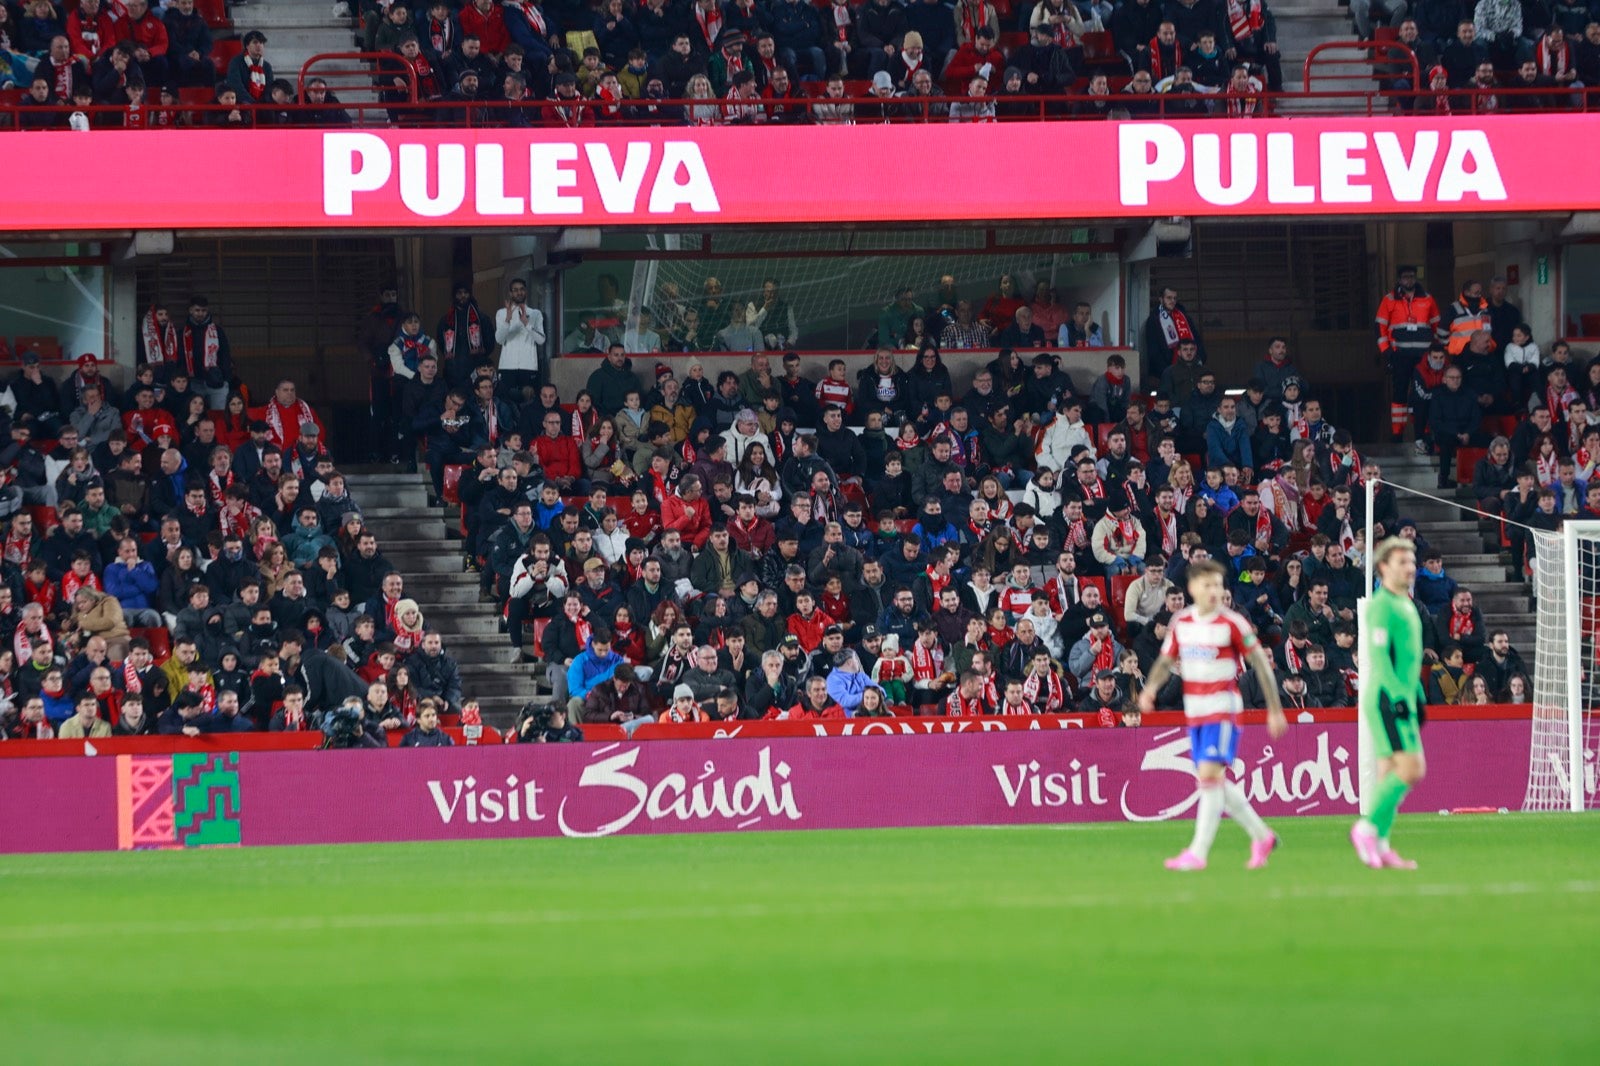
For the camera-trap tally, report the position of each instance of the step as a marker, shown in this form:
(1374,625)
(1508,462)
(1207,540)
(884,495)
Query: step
(474,619)
(419,512)
(1473,576)
(483,654)
(424,580)
(387,498)
(436,562)
(449,597)
(407,529)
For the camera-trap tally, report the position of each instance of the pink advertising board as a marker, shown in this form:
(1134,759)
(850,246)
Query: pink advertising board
(691,786)
(626,176)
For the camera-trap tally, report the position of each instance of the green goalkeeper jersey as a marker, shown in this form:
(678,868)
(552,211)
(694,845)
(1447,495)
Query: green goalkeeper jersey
(1391,685)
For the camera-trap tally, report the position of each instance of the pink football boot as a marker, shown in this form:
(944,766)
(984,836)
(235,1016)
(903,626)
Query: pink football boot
(1259,850)
(1365,840)
(1186,860)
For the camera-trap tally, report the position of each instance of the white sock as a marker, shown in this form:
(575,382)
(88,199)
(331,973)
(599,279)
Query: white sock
(1239,809)
(1208,815)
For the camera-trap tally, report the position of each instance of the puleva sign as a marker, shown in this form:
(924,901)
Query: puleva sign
(393,178)
(723,785)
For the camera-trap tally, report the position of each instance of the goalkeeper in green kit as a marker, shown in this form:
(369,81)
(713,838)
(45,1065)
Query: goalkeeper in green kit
(1391,699)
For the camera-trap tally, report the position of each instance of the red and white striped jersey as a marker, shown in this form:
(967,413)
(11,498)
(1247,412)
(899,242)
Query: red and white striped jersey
(1210,652)
(834,393)
(1017,601)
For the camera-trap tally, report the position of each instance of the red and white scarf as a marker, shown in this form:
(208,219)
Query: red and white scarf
(441,35)
(19,549)
(1546,467)
(1553,62)
(211,349)
(1263,526)
(257,85)
(160,342)
(1291,657)
(131,684)
(535,19)
(956,707)
(219,485)
(1078,534)
(1094,490)
(71,583)
(936,582)
(1050,685)
(710,23)
(1106,657)
(1063,593)
(24,643)
(1461,624)
(282,435)
(474,332)
(1244,18)
(926,663)
(1168,524)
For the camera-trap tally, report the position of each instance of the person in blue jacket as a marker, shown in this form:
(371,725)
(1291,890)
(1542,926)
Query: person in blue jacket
(593,665)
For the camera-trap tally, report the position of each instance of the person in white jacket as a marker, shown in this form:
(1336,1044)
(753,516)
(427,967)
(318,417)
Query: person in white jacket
(519,330)
(1042,493)
(611,539)
(745,431)
(1522,364)
(1065,432)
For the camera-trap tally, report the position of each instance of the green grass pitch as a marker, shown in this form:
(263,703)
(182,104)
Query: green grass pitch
(917,946)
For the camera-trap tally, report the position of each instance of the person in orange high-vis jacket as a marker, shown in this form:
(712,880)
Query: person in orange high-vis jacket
(1407,321)
(1468,315)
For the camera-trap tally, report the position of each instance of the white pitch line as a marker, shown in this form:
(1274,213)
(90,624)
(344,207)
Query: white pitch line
(1398,886)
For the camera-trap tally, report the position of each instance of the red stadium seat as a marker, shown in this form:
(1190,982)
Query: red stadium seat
(452,482)
(1466,460)
(1101,432)
(1099,583)
(158,638)
(539,626)
(49,348)
(44,518)
(222,53)
(1119,592)
(215,12)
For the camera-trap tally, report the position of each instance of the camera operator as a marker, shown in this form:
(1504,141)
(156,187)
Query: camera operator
(346,726)
(545,725)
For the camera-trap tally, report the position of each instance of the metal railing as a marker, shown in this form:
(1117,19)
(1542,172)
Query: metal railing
(856,110)
(1321,57)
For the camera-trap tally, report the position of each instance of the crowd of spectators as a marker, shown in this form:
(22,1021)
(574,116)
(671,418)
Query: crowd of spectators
(178,559)
(769,544)
(662,62)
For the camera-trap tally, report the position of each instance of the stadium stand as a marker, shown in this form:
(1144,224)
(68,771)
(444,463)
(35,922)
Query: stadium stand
(191,555)
(783,62)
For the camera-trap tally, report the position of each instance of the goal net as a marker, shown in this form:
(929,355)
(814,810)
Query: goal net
(1566,682)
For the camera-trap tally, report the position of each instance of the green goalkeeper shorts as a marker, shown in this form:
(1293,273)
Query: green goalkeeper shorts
(1399,724)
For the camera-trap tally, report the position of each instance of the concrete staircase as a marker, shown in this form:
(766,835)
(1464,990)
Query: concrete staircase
(1471,548)
(1302,25)
(296,30)
(413,536)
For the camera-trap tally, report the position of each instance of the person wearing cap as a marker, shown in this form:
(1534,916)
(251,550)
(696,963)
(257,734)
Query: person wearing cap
(37,396)
(683,708)
(1097,650)
(745,431)
(1118,539)
(1104,699)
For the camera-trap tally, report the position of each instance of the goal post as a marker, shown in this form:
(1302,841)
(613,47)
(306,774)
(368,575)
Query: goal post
(1566,579)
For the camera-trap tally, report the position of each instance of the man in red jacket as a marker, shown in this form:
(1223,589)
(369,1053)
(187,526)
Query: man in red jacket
(149,37)
(688,513)
(484,19)
(92,30)
(557,453)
